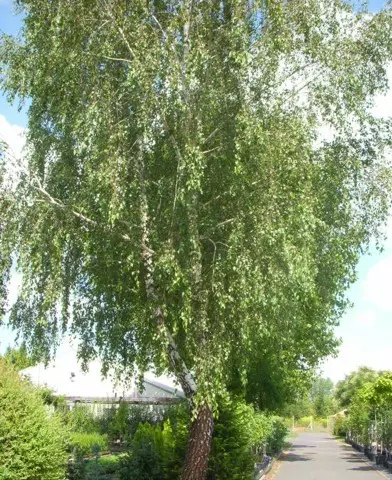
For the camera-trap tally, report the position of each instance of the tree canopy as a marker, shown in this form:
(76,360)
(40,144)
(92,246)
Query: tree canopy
(179,206)
(377,394)
(347,389)
(317,400)
(369,418)
(322,397)
(18,357)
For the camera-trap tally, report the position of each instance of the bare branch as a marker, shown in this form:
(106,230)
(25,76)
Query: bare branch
(71,209)
(211,135)
(122,60)
(291,74)
(211,150)
(230,220)
(119,28)
(58,203)
(177,363)
(296,92)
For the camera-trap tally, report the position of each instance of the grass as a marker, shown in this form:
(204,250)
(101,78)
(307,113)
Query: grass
(86,442)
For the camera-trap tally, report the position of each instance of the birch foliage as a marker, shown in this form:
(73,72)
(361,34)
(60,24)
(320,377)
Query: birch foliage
(180,207)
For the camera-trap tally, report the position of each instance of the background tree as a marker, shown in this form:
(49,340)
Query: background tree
(317,400)
(271,382)
(378,393)
(18,357)
(322,397)
(370,414)
(177,202)
(346,389)
(299,408)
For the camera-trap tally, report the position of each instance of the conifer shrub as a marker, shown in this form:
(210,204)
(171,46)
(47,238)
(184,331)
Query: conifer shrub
(33,441)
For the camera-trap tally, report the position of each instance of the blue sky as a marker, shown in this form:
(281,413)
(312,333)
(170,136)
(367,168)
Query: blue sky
(376,5)
(366,330)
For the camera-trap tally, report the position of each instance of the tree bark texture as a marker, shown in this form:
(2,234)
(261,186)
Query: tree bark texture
(199,445)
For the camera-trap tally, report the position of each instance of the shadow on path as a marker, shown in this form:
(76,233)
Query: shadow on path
(293,457)
(304,446)
(365,468)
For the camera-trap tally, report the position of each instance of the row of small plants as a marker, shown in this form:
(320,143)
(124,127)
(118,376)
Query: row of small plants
(368,419)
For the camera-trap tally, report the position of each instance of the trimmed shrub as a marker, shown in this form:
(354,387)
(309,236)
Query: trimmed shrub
(76,466)
(176,434)
(157,451)
(105,418)
(108,464)
(231,455)
(33,442)
(304,422)
(126,419)
(240,436)
(145,460)
(323,422)
(340,426)
(277,436)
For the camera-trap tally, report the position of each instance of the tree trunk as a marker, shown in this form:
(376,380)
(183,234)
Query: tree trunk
(199,445)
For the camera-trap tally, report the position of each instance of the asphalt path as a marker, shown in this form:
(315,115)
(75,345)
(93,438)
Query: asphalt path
(318,456)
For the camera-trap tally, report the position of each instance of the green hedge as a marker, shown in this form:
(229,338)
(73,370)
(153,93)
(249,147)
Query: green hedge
(146,460)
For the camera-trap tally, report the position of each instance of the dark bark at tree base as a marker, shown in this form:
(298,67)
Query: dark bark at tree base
(199,445)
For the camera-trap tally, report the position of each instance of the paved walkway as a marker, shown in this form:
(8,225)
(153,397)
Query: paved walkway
(317,456)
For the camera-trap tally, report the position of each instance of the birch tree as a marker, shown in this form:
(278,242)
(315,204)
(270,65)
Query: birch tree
(180,207)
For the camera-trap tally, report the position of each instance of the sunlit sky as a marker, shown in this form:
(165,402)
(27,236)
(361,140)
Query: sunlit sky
(366,329)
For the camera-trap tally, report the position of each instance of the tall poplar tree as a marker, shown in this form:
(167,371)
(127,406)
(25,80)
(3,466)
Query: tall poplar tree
(179,205)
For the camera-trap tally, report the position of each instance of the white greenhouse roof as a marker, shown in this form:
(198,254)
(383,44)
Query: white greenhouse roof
(65,377)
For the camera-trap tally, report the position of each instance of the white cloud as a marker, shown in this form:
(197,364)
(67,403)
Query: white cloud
(13,135)
(14,287)
(377,286)
(344,363)
(383,103)
(366,319)
(355,354)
